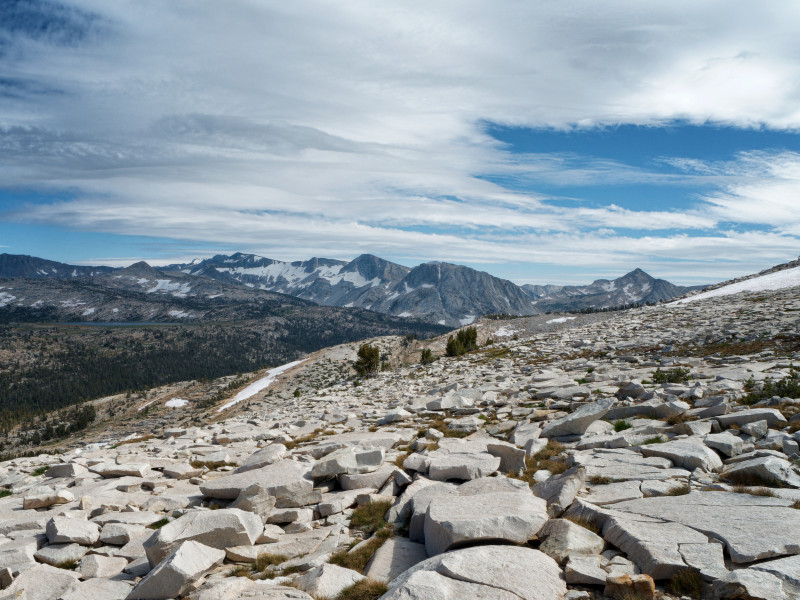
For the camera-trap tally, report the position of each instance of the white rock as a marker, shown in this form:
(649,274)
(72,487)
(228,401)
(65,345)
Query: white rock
(186,564)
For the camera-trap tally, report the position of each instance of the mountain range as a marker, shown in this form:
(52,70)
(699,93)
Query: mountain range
(434,292)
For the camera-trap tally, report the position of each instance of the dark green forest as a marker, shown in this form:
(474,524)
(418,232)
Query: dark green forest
(46,367)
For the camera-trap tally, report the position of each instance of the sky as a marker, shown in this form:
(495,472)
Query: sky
(543,142)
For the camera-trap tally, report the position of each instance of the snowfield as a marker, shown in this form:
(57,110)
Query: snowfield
(773,281)
(262,384)
(176,403)
(561,320)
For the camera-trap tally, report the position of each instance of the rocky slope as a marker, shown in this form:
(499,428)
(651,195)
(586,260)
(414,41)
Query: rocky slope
(636,287)
(643,454)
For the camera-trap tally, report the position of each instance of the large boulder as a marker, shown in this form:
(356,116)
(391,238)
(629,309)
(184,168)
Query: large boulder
(213,528)
(44,496)
(349,461)
(687,454)
(283,479)
(499,516)
(577,422)
(183,566)
(765,470)
(264,457)
(41,582)
(482,573)
(563,538)
(63,530)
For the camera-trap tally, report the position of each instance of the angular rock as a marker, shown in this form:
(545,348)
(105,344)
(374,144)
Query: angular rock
(183,566)
(108,469)
(95,565)
(505,516)
(264,457)
(473,573)
(72,470)
(686,454)
(577,422)
(767,470)
(563,538)
(396,556)
(349,461)
(63,530)
(255,499)
(283,479)
(328,580)
(215,529)
(727,444)
(56,554)
(43,496)
(559,491)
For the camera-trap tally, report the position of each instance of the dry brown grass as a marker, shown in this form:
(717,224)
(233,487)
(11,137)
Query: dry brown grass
(366,589)
(585,523)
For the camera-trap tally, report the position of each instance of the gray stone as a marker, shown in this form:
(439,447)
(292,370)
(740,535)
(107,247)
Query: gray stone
(577,422)
(686,454)
(482,573)
(727,444)
(264,457)
(506,516)
(327,581)
(282,479)
(563,538)
(767,469)
(255,499)
(56,554)
(41,582)
(44,496)
(419,507)
(71,470)
(216,529)
(109,469)
(119,534)
(512,459)
(396,556)
(98,589)
(63,530)
(559,490)
(751,584)
(95,565)
(183,566)
(772,416)
(349,461)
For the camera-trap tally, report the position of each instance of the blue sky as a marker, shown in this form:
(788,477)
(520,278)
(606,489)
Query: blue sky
(542,142)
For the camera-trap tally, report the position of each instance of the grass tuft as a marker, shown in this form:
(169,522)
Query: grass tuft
(754,491)
(70,565)
(656,439)
(5,493)
(158,524)
(681,490)
(686,582)
(211,465)
(601,480)
(39,471)
(621,425)
(366,589)
(358,557)
(369,517)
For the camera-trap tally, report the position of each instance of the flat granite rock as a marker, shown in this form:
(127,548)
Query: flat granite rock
(496,572)
(282,479)
(752,527)
(499,516)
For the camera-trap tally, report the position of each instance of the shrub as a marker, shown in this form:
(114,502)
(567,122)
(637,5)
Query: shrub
(676,375)
(465,340)
(368,361)
(788,387)
(369,517)
(426,357)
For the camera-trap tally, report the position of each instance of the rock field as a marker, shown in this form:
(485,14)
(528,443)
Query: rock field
(636,455)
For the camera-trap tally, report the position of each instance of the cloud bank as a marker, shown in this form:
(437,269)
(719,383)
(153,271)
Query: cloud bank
(334,128)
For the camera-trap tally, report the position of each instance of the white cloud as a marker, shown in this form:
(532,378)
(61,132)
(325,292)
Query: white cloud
(332,128)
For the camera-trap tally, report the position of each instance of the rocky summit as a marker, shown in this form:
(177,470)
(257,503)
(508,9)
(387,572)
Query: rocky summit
(644,454)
